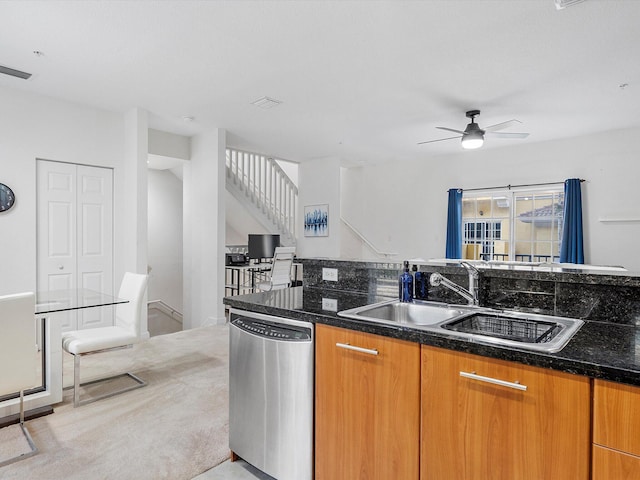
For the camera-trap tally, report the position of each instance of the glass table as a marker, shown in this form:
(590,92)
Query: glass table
(49,341)
(75,299)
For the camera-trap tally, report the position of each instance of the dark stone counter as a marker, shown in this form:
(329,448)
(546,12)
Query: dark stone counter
(610,351)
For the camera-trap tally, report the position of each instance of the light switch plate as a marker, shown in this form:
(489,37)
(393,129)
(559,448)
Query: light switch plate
(330,274)
(330,304)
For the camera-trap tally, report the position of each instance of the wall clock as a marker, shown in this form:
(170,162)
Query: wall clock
(7,198)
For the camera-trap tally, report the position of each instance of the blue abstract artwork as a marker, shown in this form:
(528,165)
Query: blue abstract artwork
(316,221)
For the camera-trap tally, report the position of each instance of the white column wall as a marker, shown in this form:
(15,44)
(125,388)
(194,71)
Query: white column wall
(204,230)
(319,184)
(133,202)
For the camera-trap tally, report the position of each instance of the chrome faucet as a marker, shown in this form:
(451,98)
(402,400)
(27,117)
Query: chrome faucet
(471,295)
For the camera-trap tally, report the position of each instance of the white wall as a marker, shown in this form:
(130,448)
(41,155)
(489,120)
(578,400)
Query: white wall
(204,236)
(165,238)
(33,126)
(239,222)
(169,144)
(320,184)
(402,206)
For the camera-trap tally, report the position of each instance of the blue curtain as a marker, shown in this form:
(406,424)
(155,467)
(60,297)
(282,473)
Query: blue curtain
(571,248)
(454,224)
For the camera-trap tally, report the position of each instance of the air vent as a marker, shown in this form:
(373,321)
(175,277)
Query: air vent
(14,73)
(560,4)
(266,102)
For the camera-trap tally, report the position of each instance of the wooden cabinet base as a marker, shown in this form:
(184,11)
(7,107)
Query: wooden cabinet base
(533,425)
(610,464)
(367,406)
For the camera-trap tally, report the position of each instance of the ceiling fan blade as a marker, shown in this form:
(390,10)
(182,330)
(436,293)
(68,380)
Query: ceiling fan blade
(508,135)
(438,140)
(451,130)
(501,126)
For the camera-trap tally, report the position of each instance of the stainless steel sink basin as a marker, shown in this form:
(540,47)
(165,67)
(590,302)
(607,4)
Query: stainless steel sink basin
(476,324)
(396,312)
(533,332)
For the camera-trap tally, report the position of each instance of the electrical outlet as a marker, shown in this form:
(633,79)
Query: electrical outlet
(330,274)
(330,304)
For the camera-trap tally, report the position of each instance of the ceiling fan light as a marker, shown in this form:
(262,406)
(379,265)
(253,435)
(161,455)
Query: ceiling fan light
(472,140)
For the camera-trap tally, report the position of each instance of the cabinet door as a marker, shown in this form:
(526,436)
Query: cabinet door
(472,429)
(616,416)
(367,406)
(613,465)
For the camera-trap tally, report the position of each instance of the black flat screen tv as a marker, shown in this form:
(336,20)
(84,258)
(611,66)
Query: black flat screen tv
(262,245)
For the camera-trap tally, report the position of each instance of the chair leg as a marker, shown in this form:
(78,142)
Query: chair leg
(76,380)
(32,446)
(76,383)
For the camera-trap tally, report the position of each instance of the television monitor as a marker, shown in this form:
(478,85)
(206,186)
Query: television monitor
(262,245)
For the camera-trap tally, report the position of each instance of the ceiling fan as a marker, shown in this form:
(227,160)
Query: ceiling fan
(473,135)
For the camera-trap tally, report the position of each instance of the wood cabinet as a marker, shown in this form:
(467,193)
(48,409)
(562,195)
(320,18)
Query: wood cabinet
(473,429)
(616,427)
(614,465)
(367,420)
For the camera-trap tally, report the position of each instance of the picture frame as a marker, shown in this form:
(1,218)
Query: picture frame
(316,220)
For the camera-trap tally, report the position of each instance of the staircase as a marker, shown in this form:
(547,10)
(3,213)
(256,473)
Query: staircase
(265,190)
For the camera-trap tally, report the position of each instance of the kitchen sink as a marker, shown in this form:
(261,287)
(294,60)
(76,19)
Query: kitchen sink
(476,324)
(531,331)
(417,313)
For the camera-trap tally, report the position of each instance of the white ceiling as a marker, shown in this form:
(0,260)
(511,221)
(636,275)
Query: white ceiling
(360,80)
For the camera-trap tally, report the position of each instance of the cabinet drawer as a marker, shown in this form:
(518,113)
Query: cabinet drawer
(616,416)
(610,464)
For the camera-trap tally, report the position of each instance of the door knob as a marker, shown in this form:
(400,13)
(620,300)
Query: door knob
(61,267)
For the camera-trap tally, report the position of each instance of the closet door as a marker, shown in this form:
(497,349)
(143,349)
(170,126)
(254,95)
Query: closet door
(75,235)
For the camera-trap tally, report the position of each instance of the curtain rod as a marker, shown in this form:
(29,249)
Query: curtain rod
(509,187)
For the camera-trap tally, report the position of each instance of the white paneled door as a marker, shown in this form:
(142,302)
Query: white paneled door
(75,235)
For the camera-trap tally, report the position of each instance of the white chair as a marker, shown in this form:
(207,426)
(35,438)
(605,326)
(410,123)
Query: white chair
(18,355)
(280,274)
(123,334)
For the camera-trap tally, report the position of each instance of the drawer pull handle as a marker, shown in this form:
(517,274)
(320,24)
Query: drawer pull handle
(495,381)
(357,349)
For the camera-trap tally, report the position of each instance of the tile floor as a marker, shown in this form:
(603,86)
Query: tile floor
(239,470)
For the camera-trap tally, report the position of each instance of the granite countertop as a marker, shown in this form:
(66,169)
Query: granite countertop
(603,350)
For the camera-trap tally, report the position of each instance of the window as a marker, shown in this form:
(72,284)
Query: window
(513,225)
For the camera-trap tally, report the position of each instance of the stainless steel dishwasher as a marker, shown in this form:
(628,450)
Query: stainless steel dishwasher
(271,393)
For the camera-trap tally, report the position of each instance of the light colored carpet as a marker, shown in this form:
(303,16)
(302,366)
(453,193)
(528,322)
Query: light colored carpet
(174,428)
(13,443)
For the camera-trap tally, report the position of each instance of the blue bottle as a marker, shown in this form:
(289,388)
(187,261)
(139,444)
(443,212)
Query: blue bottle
(405,284)
(420,284)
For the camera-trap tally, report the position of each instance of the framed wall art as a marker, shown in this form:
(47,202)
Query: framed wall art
(316,220)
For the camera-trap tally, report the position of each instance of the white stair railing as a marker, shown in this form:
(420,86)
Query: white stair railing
(165,308)
(261,180)
(364,240)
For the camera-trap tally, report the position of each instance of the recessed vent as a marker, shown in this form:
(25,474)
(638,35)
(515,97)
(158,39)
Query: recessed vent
(14,73)
(560,4)
(266,102)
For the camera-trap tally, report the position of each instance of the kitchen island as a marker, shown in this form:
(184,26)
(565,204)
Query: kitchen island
(395,397)
(608,351)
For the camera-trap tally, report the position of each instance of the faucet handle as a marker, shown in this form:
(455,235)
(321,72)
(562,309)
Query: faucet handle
(470,268)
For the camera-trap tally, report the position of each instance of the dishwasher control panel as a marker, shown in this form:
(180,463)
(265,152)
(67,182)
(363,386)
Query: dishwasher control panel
(276,331)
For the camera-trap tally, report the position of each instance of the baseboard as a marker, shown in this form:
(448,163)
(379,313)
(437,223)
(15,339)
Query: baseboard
(28,415)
